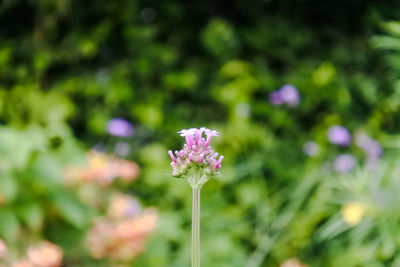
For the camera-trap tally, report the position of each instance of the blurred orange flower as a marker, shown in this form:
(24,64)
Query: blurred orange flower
(23,263)
(3,249)
(45,254)
(122,205)
(123,234)
(102,169)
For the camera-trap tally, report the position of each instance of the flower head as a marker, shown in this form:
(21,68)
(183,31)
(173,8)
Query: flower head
(339,135)
(196,152)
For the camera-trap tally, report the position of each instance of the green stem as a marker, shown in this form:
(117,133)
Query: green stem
(196,227)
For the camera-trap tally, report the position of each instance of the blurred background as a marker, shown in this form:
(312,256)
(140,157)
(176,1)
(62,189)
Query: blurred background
(305,95)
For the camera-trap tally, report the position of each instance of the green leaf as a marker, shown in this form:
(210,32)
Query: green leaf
(47,171)
(9,225)
(15,150)
(8,187)
(386,42)
(32,215)
(71,210)
(392,27)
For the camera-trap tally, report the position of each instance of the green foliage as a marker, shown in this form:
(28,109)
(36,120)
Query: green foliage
(67,67)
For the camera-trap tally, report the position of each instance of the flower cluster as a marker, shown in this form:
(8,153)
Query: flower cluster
(122,234)
(103,169)
(196,153)
(44,254)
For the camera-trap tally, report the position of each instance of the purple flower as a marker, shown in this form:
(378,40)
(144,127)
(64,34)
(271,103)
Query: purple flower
(339,135)
(311,148)
(196,152)
(120,127)
(275,98)
(287,94)
(344,163)
(372,149)
(370,146)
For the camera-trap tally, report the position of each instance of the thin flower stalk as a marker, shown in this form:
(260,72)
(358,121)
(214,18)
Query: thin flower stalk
(196,163)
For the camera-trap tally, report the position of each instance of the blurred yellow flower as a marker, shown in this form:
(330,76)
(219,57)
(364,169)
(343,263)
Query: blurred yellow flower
(353,212)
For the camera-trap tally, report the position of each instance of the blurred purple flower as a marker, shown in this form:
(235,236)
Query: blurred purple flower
(339,135)
(372,149)
(344,163)
(120,127)
(289,95)
(370,146)
(122,149)
(99,147)
(310,148)
(275,98)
